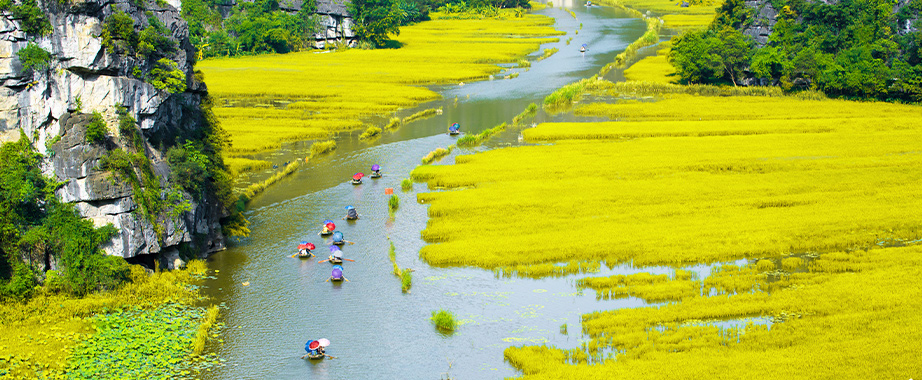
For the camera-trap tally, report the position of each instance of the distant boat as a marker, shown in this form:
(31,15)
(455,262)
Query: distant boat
(582,49)
(588,3)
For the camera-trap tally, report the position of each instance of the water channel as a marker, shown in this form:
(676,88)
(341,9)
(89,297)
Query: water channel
(377,331)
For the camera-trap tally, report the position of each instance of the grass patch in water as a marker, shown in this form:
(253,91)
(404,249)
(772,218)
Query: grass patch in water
(393,202)
(444,320)
(523,63)
(480,138)
(547,53)
(436,155)
(529,111)
(370,133)
(406,184)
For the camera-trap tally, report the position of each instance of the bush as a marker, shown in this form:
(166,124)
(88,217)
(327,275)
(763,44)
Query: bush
(33,57)
(31,17)
(118,35)
(406,184)
(167,77)
(189,167)
(370,133)
(444,320)
(96,130)
(393,202)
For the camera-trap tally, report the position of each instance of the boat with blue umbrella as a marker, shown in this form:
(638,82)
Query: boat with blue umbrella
(454,129)
(582,49)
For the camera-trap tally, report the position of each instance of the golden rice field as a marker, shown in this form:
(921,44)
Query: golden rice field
(812,192)
(654,69)
(332,92)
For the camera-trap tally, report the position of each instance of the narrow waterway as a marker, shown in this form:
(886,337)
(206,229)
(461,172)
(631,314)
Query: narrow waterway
(376,330)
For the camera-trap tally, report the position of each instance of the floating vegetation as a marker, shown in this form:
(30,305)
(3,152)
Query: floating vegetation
(563,329)
(255,189)
(406,184)
(370,133)
(393,202)
(405,274)
(322,147)
(523,63)
(138,343)
(444,320)
(574,16)
(436,155)
(201,336)
(394,123)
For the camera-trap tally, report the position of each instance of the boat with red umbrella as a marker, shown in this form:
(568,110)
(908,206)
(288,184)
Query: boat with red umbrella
(304,250)
(328,228)
(357,178)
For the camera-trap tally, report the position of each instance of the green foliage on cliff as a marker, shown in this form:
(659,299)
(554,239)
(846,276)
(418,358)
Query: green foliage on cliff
(375,19)
(33,57)
(96,130)
(852,48)
(36,228)
(251,28)
(31,17)
(167,77)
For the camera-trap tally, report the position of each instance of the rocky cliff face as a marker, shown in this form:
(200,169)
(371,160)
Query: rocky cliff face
(84,76)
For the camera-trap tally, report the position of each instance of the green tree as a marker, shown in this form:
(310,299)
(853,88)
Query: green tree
(167,77)
(375,19)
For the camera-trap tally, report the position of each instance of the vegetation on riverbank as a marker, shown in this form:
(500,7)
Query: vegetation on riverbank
(335,92)
(55,335)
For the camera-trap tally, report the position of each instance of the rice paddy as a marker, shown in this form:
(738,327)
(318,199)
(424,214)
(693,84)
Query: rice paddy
(272,99)
(816,195)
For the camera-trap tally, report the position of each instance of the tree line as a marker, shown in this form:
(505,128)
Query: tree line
(864,49)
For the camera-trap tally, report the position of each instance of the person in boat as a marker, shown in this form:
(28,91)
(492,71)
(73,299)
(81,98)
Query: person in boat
(375,171)
(305,248)
(337,273)
(328,228)
(351,213)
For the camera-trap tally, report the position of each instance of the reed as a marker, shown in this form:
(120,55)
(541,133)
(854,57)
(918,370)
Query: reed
(529,111)
(393,202)
(322,147)
(523,63)
(239,165)
(422,115)
(201,335)
(547,53)
(437,154)
(480,138)
(406,280)
(394,123)
(255,189)
(406,184)
(444,320)
(370,133)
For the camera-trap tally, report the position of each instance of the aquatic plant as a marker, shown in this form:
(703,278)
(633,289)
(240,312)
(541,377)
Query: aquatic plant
(406,279)
(393,202)
(371,132)
(480,138)
(523,63)
(421,115)
(444,320)
(437,154)
(547,54)
(322,147)
(201,335)
(529,111)
(395,122)
(406,184)
(255,189)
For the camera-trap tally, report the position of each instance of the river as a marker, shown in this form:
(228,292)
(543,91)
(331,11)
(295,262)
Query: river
(376,330)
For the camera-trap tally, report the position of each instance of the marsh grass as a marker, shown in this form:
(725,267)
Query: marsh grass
(421,115)
(547,53)
(405,275)
(393,203)
(255,189)
(204,329)
(394,123)
(523,63)
(444,320)
(370,133)
(406,184)
(322,147)
(437,154)
(529,111)
(480,138)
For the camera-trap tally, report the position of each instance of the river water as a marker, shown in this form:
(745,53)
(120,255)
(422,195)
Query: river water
(376,330)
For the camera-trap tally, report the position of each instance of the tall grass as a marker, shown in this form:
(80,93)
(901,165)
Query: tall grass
(394,123)
(405,274)
(370,133)
(547,53)
(406,184)
(444,320)
(436,155)
(422,115)
(523,63)
(393,202)
(480,138)
(255,189)
(322,147)
(529,111)
(201,335)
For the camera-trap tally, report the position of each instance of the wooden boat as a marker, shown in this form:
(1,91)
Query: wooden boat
(454,133)
(343,242)
(336,260)
(356,182)
(328,233)
(582,50)
(305,254)
(315,356)
(375,175)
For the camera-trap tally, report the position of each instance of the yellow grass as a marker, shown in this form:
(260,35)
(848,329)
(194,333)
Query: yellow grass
(687,21)
(335,91)
(656,69)
(806,189)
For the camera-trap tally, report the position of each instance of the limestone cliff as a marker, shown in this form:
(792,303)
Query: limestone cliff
(51,104)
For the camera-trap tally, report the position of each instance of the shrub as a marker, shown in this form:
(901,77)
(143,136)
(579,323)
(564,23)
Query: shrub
(370,133)
(96,130)
(167,77)
(189,167)
(406,184)
(444,320)
(33,57)
(118,35)
(406,279)
(31,17)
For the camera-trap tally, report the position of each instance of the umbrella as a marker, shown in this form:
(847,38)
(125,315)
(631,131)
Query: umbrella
(312,345)
(375,167)
(585,46)
(337,273)
(325,222)
(304,245)
(358,176)
(337,236)
(311,246)
(337,266)
(349,207)
(323,342)
(454,127)
(338,254)
(334,248)
(330,226)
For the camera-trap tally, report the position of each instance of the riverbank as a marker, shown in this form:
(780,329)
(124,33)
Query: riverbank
(147,328)
(271,99)
(797,204)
